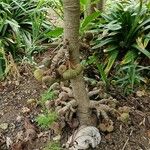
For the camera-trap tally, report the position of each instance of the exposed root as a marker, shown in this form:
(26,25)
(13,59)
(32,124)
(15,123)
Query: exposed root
(110,102)
(62,54)
(63,96)
(68,106)
(68,90)
(103,108)
(94,92)
(55,86)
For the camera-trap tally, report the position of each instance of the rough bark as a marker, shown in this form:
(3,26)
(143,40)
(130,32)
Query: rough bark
(100,5)
(71,33)
(90,8)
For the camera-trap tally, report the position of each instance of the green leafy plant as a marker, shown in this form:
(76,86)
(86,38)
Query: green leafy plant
(123,25)
(55,33)
(57,7)
(46,119)
(130,76)
(53,145)
(88,22)
(57,30)
(3,62)
(22,20)
(93,60)
(47,96)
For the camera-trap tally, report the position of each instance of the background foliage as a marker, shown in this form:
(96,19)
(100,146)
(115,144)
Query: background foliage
(23,25)
(124,33)
(120,42)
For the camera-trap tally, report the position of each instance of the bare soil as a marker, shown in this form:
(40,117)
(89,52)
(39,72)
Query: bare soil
(14,95)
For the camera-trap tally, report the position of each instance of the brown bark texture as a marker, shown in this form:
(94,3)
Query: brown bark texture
(90,8)
(71,33)
(100,5)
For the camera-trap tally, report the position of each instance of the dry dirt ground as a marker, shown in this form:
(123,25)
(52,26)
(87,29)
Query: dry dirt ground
(13,99)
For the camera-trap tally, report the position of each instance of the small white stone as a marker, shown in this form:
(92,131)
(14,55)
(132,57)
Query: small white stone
(25,110)
(19,118)
(8,142)
(4,126)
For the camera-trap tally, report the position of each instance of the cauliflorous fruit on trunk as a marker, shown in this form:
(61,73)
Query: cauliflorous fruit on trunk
(79,68)
(69,74)
(61,69)
(38,74)
(72,73)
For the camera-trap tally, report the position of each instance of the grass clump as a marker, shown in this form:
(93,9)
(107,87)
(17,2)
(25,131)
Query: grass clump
(48,95)
(46,119)
(53,146)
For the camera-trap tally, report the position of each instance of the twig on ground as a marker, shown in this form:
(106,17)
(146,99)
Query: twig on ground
(125,144)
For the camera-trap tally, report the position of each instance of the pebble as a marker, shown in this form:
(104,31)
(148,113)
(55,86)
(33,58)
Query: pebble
(19,118)
(3,126)
(1,113)
(25,110)
(12,127)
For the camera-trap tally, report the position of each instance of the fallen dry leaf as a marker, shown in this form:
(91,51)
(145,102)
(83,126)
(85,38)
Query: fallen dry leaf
(140,93)
(31,102)
(148,133)
(19,136)
(106,125)
(20,146)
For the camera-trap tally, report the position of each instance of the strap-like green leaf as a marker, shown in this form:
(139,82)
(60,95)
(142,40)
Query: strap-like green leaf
(146,28)
(55,33)
(141,25)
(102,73)
(130,56)
(112,57)
(143,50)
(111,48)
(84,2)
(89,19)
(103,43)
(113,26)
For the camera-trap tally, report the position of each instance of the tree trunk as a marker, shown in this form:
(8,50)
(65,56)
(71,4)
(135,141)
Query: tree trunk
(100,5)
(90,8)
(71,33)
